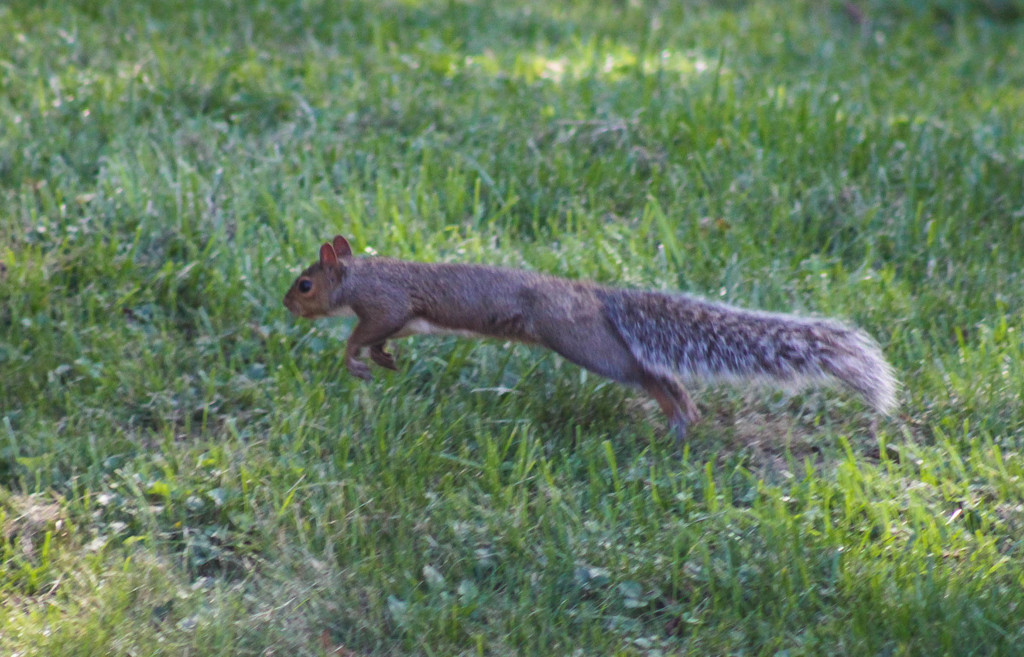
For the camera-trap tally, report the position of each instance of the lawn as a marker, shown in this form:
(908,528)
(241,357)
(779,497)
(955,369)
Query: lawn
(185,469)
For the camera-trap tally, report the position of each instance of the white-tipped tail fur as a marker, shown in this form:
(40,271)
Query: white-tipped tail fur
(678,335)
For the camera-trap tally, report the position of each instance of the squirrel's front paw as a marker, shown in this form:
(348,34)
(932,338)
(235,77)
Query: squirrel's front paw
(382,358)
(359,368)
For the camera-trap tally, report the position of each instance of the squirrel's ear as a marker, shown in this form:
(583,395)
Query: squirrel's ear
(327,256)
(341,247)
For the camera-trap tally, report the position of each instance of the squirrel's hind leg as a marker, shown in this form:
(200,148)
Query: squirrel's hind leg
(593,346)
(674,401)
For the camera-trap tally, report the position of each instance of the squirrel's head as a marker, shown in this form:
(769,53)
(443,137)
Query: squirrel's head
(310,294)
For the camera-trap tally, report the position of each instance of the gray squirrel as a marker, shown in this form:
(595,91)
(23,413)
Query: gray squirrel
(636,337)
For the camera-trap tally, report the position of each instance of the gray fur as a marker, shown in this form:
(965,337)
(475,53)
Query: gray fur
(675,334)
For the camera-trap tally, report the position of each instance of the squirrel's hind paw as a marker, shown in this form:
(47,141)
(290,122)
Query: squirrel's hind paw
(678,425)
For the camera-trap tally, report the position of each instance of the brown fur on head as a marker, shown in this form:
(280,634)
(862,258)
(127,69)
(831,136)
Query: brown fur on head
(310,294)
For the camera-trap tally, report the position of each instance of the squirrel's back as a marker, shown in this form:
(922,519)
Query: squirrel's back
(675,334)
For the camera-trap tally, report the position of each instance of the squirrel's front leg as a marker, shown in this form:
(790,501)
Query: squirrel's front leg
(369,334)
(381,357)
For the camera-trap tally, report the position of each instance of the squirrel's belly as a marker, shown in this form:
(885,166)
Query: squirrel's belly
(420,326)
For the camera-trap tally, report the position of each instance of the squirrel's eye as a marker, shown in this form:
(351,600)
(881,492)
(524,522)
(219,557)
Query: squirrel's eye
(305,285)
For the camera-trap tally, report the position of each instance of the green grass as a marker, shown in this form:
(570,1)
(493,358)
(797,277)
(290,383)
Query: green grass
(184,469)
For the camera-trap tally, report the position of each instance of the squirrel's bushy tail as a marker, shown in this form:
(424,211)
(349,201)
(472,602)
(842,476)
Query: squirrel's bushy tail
(673,334)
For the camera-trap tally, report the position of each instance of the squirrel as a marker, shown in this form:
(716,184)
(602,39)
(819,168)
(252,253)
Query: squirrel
(641,338)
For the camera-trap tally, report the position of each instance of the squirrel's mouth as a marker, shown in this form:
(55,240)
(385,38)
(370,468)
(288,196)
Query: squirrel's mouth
(303,315)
